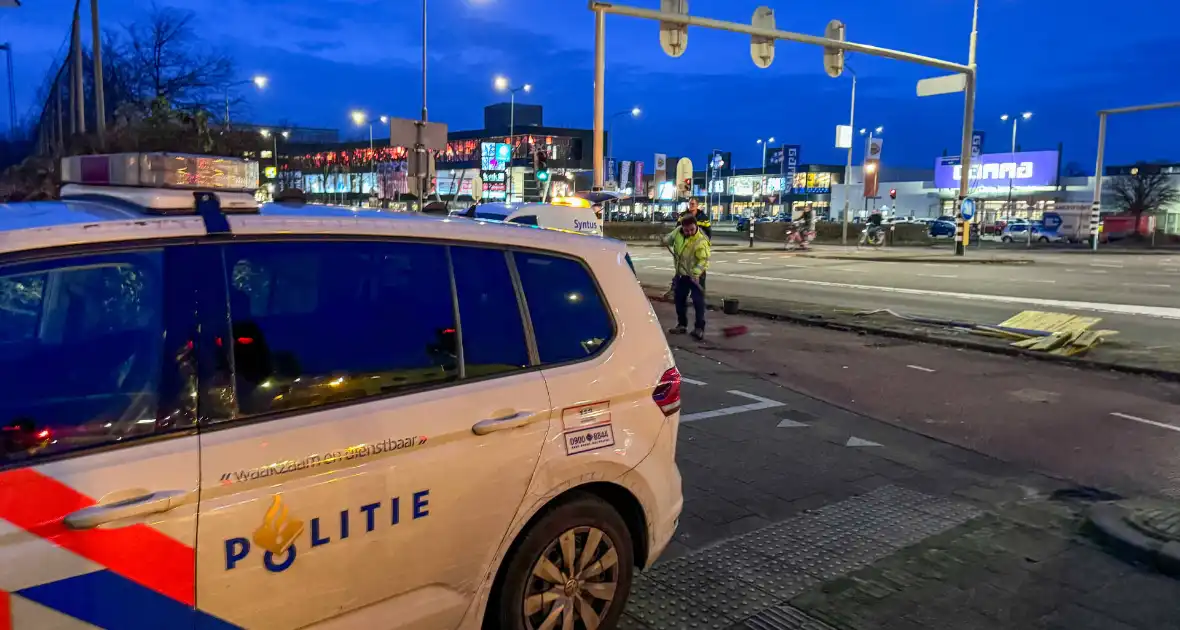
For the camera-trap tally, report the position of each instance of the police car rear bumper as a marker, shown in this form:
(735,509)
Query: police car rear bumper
(656,480)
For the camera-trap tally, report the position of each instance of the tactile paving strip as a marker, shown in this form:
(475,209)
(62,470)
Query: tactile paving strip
(750,577)
(784,618)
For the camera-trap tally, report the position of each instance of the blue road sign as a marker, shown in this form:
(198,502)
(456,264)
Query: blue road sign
(967,209)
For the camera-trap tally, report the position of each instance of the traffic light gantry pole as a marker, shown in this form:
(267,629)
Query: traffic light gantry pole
(674,17)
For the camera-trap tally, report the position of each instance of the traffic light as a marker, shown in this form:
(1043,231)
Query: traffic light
(893,193)
(541,165)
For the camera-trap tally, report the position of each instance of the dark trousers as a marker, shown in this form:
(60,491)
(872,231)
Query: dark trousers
(685,288)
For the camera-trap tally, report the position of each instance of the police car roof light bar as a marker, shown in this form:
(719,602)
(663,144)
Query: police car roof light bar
(162,183)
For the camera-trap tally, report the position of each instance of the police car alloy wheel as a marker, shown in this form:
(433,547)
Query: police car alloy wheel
(572,570)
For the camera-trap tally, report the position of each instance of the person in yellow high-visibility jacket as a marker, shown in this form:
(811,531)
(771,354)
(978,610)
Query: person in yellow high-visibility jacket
(691,251)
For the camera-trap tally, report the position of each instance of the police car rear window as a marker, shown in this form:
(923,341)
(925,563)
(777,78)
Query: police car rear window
(491,216)
(569,319)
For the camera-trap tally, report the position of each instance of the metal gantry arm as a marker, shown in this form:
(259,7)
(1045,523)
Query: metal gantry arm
(1096,204)
(601,9)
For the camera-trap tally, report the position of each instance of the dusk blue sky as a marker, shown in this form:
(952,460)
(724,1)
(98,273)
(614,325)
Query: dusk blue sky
(1062,61)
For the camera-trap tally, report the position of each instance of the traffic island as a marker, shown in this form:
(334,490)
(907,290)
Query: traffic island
(1145,531)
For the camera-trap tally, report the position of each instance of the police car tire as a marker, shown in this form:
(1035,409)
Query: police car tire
(585,510)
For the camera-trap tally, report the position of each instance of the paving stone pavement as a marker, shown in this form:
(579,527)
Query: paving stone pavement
(788,528)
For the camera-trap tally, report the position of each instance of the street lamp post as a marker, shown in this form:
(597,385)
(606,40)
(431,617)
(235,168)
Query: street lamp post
(359,118)
(504,85)
(260,81)
(848,165)
(1016,119)
(762,182)
(610,134)
(275,145)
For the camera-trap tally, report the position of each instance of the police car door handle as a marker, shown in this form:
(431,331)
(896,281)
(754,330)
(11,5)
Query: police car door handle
(154,503)
(512,421)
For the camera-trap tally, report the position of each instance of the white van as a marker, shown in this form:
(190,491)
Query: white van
(220,415)
(572,214)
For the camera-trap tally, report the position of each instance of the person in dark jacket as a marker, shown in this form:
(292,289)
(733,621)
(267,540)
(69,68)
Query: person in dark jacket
(702,218)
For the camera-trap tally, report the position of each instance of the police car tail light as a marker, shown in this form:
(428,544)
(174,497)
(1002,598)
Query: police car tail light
(667,392)
(162,182)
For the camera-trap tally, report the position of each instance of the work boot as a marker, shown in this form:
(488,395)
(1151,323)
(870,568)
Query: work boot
(678,330)
(698,334)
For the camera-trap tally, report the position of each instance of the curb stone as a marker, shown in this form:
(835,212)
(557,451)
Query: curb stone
(656,294)
(941,260)
(1109,522)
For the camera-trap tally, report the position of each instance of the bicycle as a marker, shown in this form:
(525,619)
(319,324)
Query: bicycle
(873,236)
(797,238)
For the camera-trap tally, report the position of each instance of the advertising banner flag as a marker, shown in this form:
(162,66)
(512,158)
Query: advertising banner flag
(625,174)
(639,191)
(976,145)
(774,159)
(790,165)
(610,172)
(873,148)
(684,177)
(661,170)
(872,173)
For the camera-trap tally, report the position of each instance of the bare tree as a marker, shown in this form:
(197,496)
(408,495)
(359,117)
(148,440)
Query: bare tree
(1145,190)
(160,58)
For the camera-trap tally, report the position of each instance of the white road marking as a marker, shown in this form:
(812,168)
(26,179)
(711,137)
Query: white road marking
(1148,284)
(792,424)
(642,258)
(746,261)
(1127,416)
(920,368)
(936,275)
(1031,280)
(691,381)
(1163,312)
(1096,271)
(763,403)
(857,442)
(1115,265)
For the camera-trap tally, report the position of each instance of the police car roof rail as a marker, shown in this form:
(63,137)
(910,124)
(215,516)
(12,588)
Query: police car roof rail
(164,183)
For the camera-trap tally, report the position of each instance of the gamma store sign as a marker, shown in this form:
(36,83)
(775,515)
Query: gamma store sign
(1025,168)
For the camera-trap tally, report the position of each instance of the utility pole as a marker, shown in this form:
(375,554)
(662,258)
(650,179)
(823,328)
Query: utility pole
(968,122)
(100,108)
(848,165)
(77,95)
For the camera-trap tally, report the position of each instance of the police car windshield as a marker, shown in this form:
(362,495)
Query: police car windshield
(492,216)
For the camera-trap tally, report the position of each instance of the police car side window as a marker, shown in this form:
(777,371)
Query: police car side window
(81,352)
(569,320)
(526,220)
(316,323)
(489,315)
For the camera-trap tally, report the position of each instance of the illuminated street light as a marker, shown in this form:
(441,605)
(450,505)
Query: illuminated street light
(634,112)
(261,81)
(504,85)
(1015,119)
(358,117)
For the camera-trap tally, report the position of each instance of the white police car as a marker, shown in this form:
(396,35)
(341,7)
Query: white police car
(215,415)
(572,214)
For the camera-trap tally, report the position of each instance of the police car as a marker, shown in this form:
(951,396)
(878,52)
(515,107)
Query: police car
(220,415)
(572,214)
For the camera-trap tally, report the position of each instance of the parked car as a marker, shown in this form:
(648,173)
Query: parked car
(1018,232)
(943,226)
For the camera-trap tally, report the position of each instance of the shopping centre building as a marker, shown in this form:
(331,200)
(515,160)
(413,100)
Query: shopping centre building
(492,164)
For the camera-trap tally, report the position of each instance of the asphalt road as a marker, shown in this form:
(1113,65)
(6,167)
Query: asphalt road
(1138,295)
(831,484)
